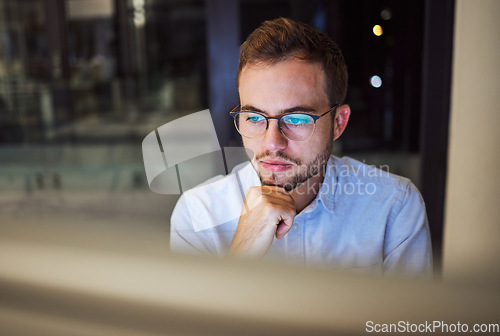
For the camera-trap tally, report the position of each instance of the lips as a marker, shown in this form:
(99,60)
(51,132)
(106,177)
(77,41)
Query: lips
(275,165)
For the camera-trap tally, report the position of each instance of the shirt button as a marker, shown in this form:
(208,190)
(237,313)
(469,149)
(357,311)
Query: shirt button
(295,227)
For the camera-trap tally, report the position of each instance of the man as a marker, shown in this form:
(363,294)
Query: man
(295,202)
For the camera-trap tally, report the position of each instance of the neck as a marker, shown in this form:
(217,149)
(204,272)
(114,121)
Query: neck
(305,193)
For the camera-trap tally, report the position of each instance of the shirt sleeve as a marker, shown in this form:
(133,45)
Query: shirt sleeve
(183,237)
(407,245)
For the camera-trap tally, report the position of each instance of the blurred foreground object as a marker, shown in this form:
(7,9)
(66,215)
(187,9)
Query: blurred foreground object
(50,290)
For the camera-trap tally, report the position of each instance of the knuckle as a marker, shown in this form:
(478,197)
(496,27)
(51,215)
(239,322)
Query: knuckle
(252,194)
(250,191)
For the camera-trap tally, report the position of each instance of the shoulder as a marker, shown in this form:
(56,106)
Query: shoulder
(215,201)
(372,183)
(350,170)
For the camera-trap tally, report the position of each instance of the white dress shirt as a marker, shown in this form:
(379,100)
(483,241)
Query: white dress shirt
(363,219)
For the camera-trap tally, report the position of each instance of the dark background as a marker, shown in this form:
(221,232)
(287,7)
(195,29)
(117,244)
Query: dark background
(82,83)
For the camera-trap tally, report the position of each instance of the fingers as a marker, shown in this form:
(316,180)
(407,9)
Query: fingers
(269,212)
(284,226)
(271,195)
(273,202)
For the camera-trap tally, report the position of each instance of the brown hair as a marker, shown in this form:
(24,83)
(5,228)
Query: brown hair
(284,39)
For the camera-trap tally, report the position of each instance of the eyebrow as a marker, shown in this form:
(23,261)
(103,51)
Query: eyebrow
(285,111)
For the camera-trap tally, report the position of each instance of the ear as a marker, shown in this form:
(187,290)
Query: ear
(341,118)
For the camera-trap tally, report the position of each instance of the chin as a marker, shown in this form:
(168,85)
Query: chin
(287,182)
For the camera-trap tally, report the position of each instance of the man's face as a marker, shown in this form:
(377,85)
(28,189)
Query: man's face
(275,90)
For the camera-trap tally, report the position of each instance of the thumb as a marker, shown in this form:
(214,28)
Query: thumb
(284,226)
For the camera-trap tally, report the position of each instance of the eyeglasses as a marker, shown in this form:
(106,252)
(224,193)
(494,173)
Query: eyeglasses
(294,126)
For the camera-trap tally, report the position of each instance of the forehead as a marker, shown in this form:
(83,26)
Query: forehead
(283,85)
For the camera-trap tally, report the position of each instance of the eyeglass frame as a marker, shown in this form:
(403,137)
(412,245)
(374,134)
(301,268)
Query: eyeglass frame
(315,118)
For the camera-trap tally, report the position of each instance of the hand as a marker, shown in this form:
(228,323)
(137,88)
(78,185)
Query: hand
(268,212)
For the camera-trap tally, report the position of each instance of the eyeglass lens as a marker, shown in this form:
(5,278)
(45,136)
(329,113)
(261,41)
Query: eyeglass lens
(295,126)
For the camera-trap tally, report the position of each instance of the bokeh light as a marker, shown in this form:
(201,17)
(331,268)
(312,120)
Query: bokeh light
(376,81)
(377,30)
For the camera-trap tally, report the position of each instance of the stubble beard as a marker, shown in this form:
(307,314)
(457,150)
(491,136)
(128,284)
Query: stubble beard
(314,167)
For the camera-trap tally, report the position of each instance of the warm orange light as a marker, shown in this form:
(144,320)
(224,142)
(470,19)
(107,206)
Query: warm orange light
(377,30)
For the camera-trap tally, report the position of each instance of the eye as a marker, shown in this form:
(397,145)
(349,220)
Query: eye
(254,117)
(297,119)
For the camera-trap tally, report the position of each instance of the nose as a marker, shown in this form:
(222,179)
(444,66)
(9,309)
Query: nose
(274,140)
